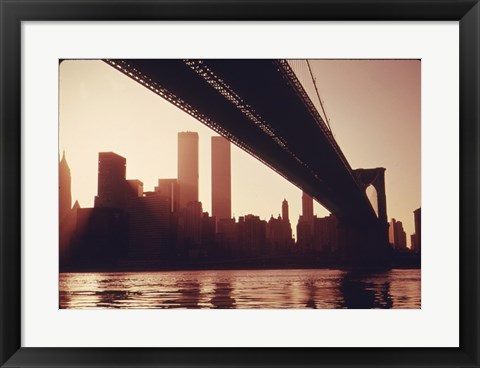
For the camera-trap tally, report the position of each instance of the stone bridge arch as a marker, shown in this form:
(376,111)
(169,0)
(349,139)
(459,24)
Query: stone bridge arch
(376,178)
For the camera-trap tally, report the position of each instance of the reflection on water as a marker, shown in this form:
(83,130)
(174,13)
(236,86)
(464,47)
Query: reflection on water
(361,292)
(241,289)
(223,296)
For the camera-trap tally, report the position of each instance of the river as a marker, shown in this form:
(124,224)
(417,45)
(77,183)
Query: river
(299,288)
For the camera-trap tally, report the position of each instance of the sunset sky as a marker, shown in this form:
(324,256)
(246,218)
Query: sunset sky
(373,107)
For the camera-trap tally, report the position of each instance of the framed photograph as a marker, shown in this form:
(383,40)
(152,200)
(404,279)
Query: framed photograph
(239,184)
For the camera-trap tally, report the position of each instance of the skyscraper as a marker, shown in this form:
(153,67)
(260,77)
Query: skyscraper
(221,179)
(64,187)
(305,225)
(417,216)
(307,208)
(187,166)
(287,228)
(112,185)
(285,210)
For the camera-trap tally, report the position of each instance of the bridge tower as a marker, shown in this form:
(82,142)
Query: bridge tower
(365,243)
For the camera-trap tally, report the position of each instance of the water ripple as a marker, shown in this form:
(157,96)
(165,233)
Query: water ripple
(272,289)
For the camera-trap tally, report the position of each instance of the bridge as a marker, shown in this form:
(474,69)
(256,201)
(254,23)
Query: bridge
(261,106)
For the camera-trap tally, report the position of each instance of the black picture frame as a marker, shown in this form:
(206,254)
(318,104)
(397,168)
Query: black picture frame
(12,13)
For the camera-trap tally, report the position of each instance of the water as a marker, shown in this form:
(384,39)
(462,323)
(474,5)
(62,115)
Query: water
(241,289)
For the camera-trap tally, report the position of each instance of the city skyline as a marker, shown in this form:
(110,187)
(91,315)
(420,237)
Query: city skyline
(115,191)
(129,228)
(144,139)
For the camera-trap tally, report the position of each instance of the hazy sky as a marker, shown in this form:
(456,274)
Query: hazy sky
(373,107)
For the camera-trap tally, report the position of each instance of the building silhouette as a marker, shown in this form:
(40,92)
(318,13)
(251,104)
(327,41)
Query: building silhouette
(307,208)
(285,211)
(192,230)
(413,242)
(64,188)
(251,236)
(100,237)
(130,228)
(208,233)
(397,236)
(221,179)
(227,237)
(112,189)
(187,166)
(326,234)
(286,226)
(417,217)
(67,215)
(305,224)
(149,228)
(275,235)
(304,234)
(170,189)
(67,228)
(134,188)
(317,234)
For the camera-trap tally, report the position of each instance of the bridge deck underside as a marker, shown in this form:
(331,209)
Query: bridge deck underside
(252,103)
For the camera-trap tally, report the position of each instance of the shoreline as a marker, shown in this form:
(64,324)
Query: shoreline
(118,269)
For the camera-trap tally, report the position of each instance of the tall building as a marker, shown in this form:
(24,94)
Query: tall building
(187,166)
(397,236)
(285,210)
(169,188)
(417,216)
(113,188)
(307,208)
(305,225)
(64,188)
(287,228)
(221,179)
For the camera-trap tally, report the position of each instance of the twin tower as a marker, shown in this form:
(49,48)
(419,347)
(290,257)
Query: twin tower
(188,173)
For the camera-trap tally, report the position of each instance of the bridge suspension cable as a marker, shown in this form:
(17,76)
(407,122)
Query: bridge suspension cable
(327,120)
